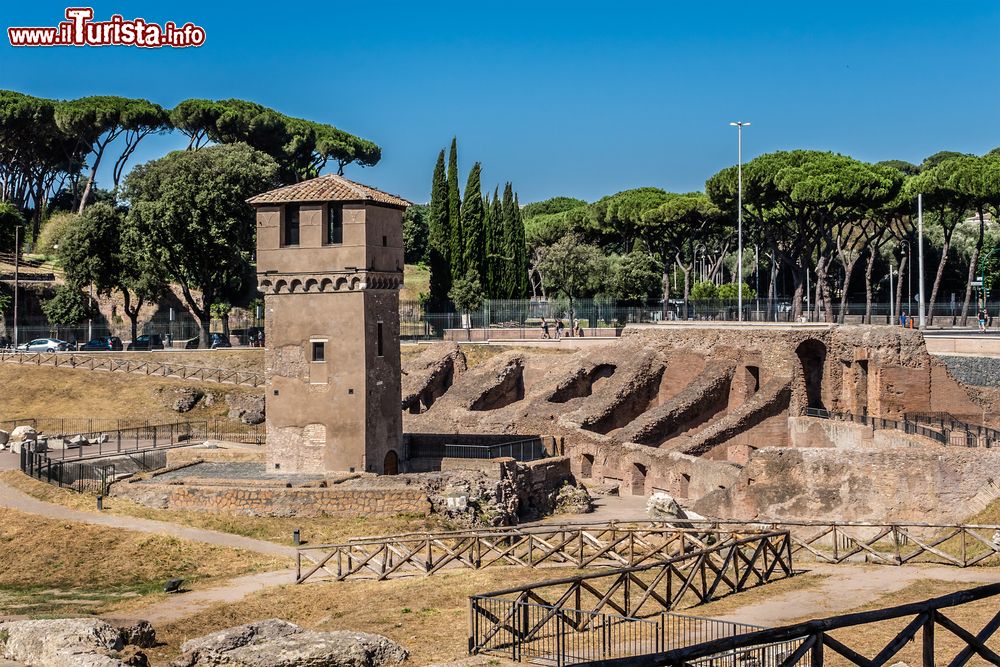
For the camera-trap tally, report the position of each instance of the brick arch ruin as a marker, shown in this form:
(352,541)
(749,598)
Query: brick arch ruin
(698,410)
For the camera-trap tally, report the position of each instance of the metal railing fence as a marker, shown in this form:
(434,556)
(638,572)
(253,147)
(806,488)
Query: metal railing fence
(528,449)
(828,640)
(638,592)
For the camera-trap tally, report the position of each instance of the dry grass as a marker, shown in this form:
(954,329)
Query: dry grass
(427,615)
(41,391)
(316,530)
(872,638)
(250,360)
(62,568)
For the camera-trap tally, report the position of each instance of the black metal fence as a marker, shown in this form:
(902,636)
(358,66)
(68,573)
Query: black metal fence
(972,434)
(105,435)
(92,475)
(528,449)
(910,633)
(561,620)
(879,423)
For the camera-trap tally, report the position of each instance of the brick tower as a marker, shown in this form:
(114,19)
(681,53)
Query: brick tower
(330,265)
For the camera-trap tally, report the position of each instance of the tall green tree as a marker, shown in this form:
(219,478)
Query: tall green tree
(10,219)
(415,234)
(947,200)
(571,267)
(473,222)
(189,208)
(439,234)
(99,121)
(102,249)
(457,253)
(493,231)
(514,277)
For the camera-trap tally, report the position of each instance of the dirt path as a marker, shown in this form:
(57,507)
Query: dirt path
(13,499)
(184,604)
(847,587)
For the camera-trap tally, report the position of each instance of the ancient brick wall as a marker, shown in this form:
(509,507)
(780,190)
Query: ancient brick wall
(277,501)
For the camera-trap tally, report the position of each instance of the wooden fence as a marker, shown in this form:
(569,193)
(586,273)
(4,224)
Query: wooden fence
(575,546)
(101,362)
(627,544)
(502,622)
(926,619)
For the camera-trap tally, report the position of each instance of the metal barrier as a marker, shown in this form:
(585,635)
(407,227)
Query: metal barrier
(816,641)
(880,423)
(102,362)
(93,474)
(125,434)
(522,621)
(527,449)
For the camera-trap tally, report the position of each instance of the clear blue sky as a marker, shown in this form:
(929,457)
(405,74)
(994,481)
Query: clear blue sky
(563,98)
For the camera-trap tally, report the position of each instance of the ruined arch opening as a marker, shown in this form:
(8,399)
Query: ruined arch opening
(812,358)
(509,389)
(390,465)
(587,466)
(638,479)
(582,385)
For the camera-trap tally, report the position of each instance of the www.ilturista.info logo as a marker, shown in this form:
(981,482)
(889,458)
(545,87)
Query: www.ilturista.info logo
(79,29)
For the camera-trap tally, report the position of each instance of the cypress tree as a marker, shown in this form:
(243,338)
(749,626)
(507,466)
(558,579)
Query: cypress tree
(508,277)
(473,218)
(439,232)
(520,253)
(494,247)
(457,254)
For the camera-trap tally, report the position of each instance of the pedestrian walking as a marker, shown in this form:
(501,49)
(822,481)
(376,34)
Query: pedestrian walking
(559,329)
(903,317)
(982,320)
(545,329)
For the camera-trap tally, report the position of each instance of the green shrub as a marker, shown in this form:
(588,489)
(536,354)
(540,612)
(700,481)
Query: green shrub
(53,230)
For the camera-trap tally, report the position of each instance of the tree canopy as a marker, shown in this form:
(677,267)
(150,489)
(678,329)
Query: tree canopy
(189,209)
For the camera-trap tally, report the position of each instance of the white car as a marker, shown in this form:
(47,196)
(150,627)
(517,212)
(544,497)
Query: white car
(44,345)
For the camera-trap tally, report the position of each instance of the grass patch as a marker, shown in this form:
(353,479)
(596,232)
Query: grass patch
(314,530)
(416,281)
(427,615)
(40,391)
(64,567)
(872,638)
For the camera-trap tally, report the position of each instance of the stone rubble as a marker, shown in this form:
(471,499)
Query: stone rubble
(68,642)
(278,643)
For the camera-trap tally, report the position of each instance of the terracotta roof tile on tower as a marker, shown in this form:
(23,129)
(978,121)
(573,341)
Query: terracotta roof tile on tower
(330,187)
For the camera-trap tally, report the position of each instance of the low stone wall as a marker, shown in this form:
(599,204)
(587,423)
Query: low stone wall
(980,371)
(934,485)
(277,501)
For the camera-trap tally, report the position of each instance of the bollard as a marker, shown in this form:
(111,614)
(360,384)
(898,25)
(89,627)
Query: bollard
(100,503)
(295,537)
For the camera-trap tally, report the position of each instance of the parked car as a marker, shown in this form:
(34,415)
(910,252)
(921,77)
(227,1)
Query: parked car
(146,342)
(103,344)
(44,345)
(218,340)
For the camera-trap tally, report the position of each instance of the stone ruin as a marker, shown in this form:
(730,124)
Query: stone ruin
(717,418)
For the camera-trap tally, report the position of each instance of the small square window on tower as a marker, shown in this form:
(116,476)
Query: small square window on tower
(318,351)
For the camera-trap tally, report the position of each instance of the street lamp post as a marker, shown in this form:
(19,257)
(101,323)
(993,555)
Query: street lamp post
(17,276)
(920,261)
(739,215)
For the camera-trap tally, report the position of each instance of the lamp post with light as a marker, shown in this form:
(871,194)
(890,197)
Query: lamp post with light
(739,125)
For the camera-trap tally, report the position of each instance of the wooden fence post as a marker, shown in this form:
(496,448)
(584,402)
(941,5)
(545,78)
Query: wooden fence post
(928,639)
